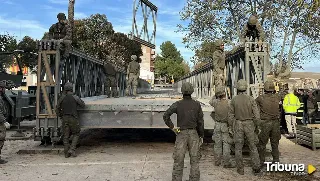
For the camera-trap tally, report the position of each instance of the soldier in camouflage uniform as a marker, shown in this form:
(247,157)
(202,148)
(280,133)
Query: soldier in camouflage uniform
(3,112)
(67,109)
(111,81)
(219,64)
(246,116)
(223,128)
(62,32)
(252,31)
(191,125)
(270,123)
(133,73)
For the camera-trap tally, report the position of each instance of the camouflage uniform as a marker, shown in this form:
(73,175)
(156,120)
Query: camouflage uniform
(245,114)
(62,31)
(270,123)
(222,128)
(67,109)
(111,81)
(191,125)
(133,73)
(253,31)
(3,113)
(219,64)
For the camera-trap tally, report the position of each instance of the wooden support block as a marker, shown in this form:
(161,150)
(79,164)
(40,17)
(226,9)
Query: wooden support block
(313,126)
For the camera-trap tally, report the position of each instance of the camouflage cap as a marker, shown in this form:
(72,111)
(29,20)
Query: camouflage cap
(253,20)
(242,85)
(187,88)
(269,86)
(68,86)
(61,16)
(220,91)
(218,43)
(2,84)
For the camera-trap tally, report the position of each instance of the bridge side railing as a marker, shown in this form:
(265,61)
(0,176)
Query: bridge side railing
(249,62)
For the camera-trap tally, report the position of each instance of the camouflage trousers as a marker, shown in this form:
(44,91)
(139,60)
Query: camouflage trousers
(2,135)
(70,127)
(132,81)
(186,140)
(222,143)
(269,129)
(246,129)
(218,78)
(111,82)
(65,48)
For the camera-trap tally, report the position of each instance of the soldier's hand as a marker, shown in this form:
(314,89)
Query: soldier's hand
(231,132)
(7,125)
(260,43)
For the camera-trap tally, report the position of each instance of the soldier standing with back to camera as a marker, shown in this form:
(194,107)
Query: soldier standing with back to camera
(191,125)
(270,123)
(252,31)
(67,109)
(111,81)
(222,128)
(245,115)
(3,112)
(133,73)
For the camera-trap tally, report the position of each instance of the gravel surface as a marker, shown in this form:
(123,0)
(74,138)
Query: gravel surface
(133,155)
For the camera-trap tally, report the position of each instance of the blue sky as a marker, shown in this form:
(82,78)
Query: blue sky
(34,17)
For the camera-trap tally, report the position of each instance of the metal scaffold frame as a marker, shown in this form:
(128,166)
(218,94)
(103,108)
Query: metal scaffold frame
(249,62)
(84,71)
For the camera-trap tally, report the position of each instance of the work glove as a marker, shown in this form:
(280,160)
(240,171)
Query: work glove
(231,132)
(176,130)
(7,125)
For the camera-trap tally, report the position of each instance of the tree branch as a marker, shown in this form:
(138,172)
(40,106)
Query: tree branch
(303,47)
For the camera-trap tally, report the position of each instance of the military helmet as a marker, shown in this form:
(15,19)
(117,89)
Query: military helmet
(253,20)
(242,85)
(269,86)
(2,84)
(218,43)
(220,91)
(187,88)
(61,16)
(68,86)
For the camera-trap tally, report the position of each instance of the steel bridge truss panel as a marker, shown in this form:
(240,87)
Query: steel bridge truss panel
(143,36)
(249,63)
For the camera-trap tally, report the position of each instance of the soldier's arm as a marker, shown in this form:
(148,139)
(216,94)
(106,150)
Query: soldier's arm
(200,123)
(139,70)
(256,112)
(215,58)
(230,120)
(51,30)
(58,107)
(231,115)
(128,69)
(166,116)
(68,33)
(212,101)
(243,34)
(2,113)
(79,101)
(261,32)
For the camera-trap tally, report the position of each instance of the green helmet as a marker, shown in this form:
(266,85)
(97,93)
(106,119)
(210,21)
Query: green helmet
(134,57)
(61,16)
(218,43)
(269,86)
(220,91)
(253,20)
(242,85)
(68,86)
(187,88)
(2,84)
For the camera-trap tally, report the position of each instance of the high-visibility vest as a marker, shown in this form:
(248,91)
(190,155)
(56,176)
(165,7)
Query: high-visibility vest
(291,103)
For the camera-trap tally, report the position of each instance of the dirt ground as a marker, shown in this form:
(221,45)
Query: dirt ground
(133,155)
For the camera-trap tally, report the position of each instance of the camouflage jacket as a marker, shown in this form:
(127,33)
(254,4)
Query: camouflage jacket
(258,31)
(60,31)
(109,69)
(268,105)
(67,105)
(243,107)
(3,111)
(219,60)
(221,110)
(133,67)
(189,115)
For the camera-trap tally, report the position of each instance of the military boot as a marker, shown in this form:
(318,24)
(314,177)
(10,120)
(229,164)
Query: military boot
(72,150)
(217,162)
(3,161)
(257,172)
(240,171)
(228,165)
(127,92)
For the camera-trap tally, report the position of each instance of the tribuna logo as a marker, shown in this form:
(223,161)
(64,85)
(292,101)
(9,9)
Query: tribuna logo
(296,169)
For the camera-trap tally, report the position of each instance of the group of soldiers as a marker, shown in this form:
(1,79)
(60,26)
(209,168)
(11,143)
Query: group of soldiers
(241,120)
(62,32)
